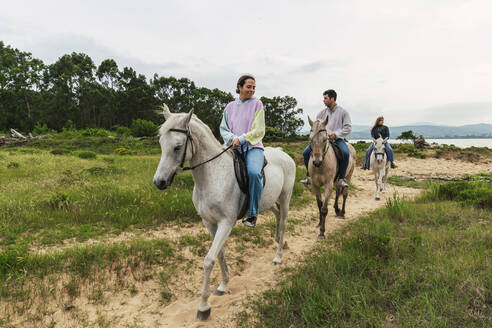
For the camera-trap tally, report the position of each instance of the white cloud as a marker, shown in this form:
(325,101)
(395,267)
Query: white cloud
(385,57)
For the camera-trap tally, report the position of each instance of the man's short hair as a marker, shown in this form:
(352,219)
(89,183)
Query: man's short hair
(331,93)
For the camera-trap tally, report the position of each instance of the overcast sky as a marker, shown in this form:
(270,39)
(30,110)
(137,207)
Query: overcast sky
(411,61)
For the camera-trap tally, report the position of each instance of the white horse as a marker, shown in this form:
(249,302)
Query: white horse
(216,194)
(379,165)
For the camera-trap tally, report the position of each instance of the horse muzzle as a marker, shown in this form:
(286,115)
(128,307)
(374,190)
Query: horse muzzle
(162,184)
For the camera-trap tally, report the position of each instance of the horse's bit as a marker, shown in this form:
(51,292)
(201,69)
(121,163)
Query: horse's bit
(189,138)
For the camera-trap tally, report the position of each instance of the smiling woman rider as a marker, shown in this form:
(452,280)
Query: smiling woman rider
(243,127)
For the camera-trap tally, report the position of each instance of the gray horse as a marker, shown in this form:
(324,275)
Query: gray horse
(323,169)
(379,165)
(216,194)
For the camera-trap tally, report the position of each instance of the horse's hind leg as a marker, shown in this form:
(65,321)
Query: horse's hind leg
(345,194)
(221,235)
(335,205)
(276,211)
(281,224)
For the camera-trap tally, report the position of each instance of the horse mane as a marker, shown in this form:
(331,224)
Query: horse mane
(198,129)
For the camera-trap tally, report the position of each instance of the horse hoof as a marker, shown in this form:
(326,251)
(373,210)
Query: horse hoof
(203,315)
(219,292)
(321,238)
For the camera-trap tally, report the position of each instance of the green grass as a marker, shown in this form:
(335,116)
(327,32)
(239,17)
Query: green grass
(25,276)
(419,264)
(77,198)
(408,182)
(72,197)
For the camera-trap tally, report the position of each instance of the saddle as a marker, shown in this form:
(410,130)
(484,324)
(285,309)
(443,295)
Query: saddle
(339,156)
(242,179)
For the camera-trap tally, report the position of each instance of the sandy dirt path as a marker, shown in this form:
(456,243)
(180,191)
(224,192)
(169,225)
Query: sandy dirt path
(255,272)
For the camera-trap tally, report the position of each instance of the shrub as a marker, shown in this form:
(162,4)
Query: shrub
(95,132)
(122,131)
(86,154)
(477,193)
(122,151)
(60,151)
(272,134)
(143,128)
(40,129)
(13,165)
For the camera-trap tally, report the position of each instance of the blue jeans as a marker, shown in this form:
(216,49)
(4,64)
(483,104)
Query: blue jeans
(389,151)
(254,163)
(306,154)
(343,146)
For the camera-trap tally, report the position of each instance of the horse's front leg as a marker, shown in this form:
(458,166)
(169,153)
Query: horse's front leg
(212,229)
(385,179)
(317,191)
(324,210)
(221,235)
(378,186)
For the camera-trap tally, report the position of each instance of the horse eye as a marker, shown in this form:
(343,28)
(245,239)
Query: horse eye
(178,147)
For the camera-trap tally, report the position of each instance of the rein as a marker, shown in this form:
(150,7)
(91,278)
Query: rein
(189,138)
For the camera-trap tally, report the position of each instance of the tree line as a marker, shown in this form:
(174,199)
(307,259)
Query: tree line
(74,91)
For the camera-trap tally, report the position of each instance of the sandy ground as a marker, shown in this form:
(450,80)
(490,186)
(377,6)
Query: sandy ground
(256,272)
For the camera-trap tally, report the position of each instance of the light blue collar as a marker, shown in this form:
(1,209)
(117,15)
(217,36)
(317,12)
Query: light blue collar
(239,102)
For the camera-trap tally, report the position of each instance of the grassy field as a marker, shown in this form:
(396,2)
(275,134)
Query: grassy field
(59,193)
(411,264)
(65,200)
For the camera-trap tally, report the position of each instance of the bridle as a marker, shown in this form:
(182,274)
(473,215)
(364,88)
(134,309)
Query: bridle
(376,153)
(326,148)
(190,139)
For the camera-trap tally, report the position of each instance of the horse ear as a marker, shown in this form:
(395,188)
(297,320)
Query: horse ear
(166,112)
(310,121)
(373,140)
(325,121)
(188,118)
(385,139)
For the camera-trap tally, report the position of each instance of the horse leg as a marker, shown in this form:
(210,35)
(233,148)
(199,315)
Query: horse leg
(276,211)
(345,194)
(212,228)
(335,206)
(385,179)
(320,204)
(221,235)
(324,211)
(282,222)
(378,185)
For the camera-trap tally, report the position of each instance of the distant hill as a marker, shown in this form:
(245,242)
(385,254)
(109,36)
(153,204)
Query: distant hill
(481,130)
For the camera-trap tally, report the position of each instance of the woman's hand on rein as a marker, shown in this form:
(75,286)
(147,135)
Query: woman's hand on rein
(236,143)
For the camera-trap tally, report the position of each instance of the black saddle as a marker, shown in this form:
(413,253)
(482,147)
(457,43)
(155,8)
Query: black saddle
(339,156)
(242,179)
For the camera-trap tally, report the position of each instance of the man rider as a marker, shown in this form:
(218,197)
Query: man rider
(338,127)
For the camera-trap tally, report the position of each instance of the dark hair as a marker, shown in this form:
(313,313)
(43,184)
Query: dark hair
(331,93)
(242,80)
(377,121)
